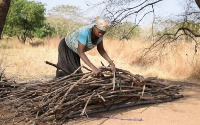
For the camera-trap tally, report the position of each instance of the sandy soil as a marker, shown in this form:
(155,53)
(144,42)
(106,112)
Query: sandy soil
(184,111)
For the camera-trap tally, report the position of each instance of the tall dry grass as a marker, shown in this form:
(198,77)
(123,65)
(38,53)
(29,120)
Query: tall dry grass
(175,62)
(25,62)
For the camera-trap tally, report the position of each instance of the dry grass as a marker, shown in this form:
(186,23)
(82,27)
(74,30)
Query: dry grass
(177,61)
(26,62)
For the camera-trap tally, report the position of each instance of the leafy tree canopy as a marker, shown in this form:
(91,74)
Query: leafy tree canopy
(24,19)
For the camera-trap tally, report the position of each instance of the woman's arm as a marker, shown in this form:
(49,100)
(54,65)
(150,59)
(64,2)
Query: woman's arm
(104,54)
(85,59)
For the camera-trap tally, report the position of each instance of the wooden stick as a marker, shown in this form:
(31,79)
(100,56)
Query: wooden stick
(86,75)
(72,95)
(84,110)
(64,70)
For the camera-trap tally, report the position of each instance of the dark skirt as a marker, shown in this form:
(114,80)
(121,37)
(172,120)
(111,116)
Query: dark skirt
(67,59)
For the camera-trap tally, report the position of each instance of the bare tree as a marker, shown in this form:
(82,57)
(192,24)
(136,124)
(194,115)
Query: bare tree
(198,3)
(183,30)
(121,10)
(4,7)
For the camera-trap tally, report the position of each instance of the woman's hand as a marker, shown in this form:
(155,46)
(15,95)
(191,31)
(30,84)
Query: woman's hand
(97,72)
(103,53)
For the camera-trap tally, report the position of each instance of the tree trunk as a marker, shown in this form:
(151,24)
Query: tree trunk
(4,7)
(198,3)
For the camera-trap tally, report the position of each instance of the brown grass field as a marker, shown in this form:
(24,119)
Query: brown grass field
(26,62)
(177,62)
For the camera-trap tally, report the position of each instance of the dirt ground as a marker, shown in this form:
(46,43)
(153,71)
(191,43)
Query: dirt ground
(184,111)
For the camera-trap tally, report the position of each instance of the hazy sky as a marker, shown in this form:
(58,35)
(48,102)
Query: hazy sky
(82,4)
(167,7)
(164,9)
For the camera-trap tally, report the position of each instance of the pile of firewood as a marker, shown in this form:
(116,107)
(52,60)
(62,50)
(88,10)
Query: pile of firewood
(80,94)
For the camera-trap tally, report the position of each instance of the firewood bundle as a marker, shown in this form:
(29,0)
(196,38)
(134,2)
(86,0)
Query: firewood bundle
(80,94)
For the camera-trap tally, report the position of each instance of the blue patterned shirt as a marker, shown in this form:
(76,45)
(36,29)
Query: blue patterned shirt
(82,35)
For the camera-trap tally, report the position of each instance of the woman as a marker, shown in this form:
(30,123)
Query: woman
(74,46)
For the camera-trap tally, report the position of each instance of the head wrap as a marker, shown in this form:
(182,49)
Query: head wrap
(102,23)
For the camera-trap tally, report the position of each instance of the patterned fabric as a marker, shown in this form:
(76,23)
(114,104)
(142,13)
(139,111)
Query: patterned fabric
(102,23)
(83,35)
(67,59)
